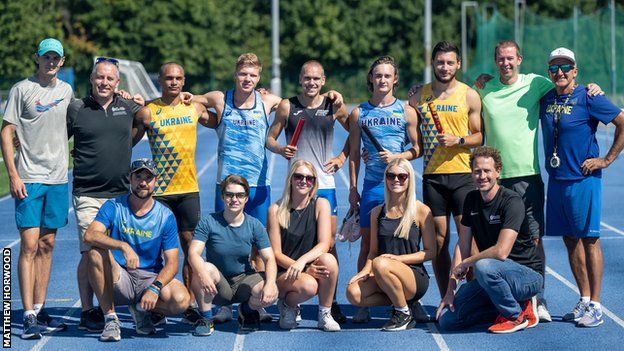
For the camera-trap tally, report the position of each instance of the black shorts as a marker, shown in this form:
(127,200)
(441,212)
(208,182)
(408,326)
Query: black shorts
(422,282)
(185,208)
(445,193)
(531,189)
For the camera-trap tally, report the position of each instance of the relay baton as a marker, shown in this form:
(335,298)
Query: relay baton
(436,118)
(295,138)
(372,138)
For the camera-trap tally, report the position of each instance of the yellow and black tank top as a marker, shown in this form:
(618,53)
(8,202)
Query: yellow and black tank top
(173,139)
(453,113)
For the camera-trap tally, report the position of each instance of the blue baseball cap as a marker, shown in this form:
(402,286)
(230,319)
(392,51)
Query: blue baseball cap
(50,44)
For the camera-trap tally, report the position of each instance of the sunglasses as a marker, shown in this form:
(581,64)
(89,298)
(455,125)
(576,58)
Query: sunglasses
(400,176)
(298,177)
(143,163)
(565,68)
(107,59)
(230,195)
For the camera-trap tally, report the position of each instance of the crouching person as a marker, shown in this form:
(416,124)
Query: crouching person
(126,266)
(226,276)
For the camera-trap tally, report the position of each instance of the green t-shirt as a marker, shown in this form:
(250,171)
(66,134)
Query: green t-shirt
(510,118)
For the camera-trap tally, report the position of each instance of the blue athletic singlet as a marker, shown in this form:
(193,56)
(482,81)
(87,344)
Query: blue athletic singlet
(387,124)
(242,134)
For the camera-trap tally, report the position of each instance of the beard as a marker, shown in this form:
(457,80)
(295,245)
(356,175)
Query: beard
(441,80)
(147,193)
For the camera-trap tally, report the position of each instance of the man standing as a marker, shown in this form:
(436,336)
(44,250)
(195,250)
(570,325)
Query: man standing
(126,266)
(507,266)
(105,126)
(172,137)
(36,111)
(446,176)
(316,139)
(569,121)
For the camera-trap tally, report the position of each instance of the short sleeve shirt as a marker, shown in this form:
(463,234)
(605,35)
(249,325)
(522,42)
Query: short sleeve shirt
(228,247)
(148,235)
(39,114)
(579,115)
(511,118)
(505,211)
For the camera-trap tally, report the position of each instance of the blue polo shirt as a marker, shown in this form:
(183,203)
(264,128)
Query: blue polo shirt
(579,115)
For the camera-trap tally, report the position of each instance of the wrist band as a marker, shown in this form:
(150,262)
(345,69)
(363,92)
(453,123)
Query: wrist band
(154,289)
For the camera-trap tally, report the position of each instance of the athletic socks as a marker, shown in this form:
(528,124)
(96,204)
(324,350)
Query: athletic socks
(38,307)
(29,312)
(110,317)
(207,314)
(324,309)
(404,310)
(585,299)
(596,304)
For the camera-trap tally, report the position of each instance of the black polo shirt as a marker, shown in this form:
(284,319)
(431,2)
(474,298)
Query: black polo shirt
(505,211)
(102,146)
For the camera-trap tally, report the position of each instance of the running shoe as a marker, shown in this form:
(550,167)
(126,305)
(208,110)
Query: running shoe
(592,317)
(419,315)
(288,315)
(159,318)
(530,311)
(49,324)
(577,312)
(191,316)
(542,312)
(142,321)
(31,328)
(503,325)
(265,317)
(337,313)
(112,330)
(326,322)
(398,321)
(92,320)
(361,316)
(250,321)
(224,314)
(203,327)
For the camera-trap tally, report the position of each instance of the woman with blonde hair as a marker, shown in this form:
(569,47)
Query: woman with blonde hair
(299,226)
(394,273)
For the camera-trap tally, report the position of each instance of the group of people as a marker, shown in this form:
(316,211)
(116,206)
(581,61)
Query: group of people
(134,216)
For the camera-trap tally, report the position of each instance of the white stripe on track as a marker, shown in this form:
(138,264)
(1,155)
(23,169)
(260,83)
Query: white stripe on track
(569,284)
(435,333)
(239,343)
(206,166)
(44,340)
(612,228)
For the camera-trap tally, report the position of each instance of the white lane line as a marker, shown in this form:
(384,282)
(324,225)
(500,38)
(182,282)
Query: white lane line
(206,166)
(435,333)
(611,228)
(573,287)
(239,343)
(44,340)
(272,166)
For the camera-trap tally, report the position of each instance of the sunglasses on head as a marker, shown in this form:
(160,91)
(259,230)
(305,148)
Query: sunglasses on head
(400,176)
(230,195)
(565,68)
(298,177)
(107,59)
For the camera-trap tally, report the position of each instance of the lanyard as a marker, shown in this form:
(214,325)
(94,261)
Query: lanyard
(556,119)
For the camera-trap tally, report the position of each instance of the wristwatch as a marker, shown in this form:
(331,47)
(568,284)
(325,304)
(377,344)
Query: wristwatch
(158,284)
(462,141)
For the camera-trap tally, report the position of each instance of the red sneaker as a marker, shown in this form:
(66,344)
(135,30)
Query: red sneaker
(504,325)
(530,311)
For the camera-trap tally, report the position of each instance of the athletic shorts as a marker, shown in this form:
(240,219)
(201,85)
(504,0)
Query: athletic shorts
(257,205)
(531,189)
(46,206)
(330,195)
(236,289)
(85,208)
(573,207)
(445,193)
(422,282)
(185,208)
(372,196)
(129,289)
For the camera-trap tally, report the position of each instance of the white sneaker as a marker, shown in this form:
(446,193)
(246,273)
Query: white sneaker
(362,315)
(327,323)
(577,312)
(224,314)
(265,317)
(288,315)
(542,312)
(592,317)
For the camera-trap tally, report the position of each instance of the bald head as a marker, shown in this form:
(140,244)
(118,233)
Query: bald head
(169,65)
(311,64)
(171,79)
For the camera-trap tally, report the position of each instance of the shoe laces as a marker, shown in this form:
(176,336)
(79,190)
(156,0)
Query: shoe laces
(591,311)
(112,325)
(580,307)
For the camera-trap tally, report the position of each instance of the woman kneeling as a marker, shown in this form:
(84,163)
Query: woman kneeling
(299,226)
(394,272)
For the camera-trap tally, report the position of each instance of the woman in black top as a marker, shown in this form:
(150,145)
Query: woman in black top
(299,226)
(394,273)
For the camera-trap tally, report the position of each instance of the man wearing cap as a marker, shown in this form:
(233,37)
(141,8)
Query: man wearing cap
(126,266)
(105,126)
(37,170)
(569,122)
